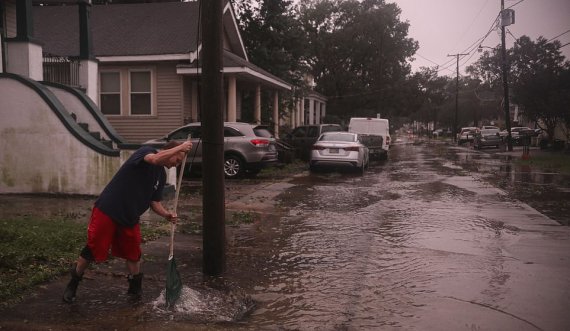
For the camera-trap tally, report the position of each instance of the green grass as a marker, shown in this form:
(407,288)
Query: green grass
(557,162)
(33,251)
(283,170)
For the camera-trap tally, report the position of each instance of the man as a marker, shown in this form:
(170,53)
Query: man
(114,221)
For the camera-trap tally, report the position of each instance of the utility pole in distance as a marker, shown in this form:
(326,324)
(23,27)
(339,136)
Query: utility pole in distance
(456,95)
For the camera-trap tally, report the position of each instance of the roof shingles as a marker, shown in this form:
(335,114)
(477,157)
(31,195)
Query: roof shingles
(120,30)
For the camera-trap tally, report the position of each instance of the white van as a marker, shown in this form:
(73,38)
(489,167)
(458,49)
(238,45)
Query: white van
(372,127)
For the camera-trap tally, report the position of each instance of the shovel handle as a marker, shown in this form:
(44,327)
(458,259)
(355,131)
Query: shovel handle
(176,195)
(172,228)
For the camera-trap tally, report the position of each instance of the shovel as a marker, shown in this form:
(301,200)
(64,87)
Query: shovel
(173,281)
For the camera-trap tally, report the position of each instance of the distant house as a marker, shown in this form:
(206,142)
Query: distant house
(148,63)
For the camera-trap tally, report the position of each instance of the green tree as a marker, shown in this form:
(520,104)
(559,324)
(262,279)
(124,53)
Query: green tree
(274,41)
(538,79)
(358,53)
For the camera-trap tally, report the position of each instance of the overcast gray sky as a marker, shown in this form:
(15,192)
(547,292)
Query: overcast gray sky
(445,27)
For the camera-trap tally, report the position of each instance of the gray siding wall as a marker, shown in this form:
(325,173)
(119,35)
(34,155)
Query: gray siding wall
(169,107)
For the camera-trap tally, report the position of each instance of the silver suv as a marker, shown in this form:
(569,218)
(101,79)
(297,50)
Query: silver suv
(247,148)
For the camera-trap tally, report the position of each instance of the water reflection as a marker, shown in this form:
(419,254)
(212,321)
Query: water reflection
(374,252)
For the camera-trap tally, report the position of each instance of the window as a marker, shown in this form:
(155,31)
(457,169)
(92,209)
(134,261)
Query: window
(300,132)
(127,91)
(182,134)
(111,93)
(313,131)
(140,93)
(231,132)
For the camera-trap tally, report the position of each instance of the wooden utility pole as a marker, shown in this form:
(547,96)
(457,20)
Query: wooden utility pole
(505,67)
(456,96)
(213,186)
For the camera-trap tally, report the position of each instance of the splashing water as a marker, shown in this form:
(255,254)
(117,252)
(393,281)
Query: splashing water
(206,305)
(190,302)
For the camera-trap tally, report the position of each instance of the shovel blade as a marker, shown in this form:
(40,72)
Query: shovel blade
(173,283)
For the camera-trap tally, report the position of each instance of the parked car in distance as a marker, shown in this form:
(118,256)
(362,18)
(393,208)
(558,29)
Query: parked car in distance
(518,132)
(304,136)
(467,134)
(339,149)
(490,127)
(487,137)
(248,148)
(374,133)
(437,133)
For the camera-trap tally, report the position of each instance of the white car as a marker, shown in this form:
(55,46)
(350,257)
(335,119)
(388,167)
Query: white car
(339,149)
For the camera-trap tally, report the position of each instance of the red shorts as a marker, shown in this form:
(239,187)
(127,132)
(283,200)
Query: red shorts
(103,233)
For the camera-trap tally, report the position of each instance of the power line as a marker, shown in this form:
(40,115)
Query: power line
(563,33)
(515,4)
(471,48)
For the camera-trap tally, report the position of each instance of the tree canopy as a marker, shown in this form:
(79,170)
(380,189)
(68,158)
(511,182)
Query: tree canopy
(358,52)
(538,78)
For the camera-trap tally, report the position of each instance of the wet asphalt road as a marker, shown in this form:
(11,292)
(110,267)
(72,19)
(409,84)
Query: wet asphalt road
(434,238)
(417,243)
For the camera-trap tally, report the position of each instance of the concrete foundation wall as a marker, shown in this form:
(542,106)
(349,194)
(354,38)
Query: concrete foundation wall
(38,154)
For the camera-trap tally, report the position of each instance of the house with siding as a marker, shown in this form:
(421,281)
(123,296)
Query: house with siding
(148,63)
(81,84)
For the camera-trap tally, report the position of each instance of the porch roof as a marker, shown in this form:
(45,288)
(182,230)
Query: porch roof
(243,69)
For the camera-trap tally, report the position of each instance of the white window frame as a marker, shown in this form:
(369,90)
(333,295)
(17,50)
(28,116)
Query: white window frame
(120,90)
(152,91)
(125,90)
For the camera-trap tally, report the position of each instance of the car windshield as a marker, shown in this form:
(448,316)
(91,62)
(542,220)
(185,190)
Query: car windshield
(338,137)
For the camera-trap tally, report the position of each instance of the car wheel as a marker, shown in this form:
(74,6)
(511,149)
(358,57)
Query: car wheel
(361,169)
(233,166)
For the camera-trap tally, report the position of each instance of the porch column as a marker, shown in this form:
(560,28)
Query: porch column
(302,112)
(194,103)
(24,56)
(276,113)
(311,111)
(317,112)
(257,109)
(88,65)
(232,98)
(323,110)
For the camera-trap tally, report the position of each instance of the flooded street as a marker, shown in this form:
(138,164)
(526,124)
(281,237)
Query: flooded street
(417,243)
(435,238)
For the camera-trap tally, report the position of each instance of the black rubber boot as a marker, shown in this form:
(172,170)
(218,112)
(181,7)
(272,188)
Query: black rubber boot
(71,289)
(135,285)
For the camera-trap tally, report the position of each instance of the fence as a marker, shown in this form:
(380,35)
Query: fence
(60,69)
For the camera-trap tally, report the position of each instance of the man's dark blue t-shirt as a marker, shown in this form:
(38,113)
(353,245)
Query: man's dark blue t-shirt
(134,186)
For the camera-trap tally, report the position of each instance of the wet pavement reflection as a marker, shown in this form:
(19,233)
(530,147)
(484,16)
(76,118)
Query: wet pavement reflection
(417,243)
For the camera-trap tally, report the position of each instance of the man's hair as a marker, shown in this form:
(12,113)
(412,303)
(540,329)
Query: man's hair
(171,144)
